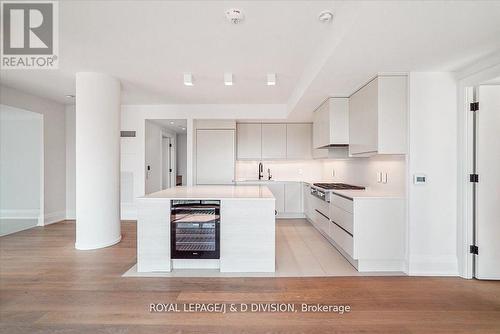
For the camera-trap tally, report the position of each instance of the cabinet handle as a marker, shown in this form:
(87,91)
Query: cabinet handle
(321,213)
(343,229)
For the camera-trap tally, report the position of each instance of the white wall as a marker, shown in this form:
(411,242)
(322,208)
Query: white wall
(433,151)
(70,163)
(182,157)
(21,169)
(363,171)
(54,148)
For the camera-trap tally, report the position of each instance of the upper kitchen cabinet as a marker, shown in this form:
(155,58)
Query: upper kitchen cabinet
(331,123)
(274,141)
(249,141)
(298,141)
(377,117)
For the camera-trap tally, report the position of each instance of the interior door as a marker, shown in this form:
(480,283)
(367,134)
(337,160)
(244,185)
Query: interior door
(488,187)
(215,156)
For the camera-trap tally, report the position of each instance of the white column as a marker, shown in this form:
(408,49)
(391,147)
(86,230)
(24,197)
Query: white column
(97,161)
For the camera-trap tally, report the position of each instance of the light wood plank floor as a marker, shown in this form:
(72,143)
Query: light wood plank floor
(46,286)
(300,251)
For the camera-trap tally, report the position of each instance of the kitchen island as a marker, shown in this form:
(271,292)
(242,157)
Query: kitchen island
(247,229)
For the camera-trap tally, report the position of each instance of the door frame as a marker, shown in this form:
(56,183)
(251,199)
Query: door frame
(173,156)
(465,228)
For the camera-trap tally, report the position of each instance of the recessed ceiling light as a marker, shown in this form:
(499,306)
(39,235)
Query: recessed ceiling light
(228,79)
(188,79)
(171,123)
(183,128)
(271,79)
(70,96)
(325,16)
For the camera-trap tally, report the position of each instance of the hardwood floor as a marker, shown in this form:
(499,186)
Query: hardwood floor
(47,286)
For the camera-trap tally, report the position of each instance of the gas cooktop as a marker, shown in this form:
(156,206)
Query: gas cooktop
(338,186)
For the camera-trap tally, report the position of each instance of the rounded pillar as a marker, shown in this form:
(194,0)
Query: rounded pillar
(97,161)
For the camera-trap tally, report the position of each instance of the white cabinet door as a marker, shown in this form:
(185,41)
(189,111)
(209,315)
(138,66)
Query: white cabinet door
(293,197)
(339,121)
(363,127)
(278,191)
(306,198)
(298,141)
(274,141)
(215,158)
(321,126)
(249,141)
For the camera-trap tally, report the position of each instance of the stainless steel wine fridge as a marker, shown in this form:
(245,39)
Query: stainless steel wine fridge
(195,229)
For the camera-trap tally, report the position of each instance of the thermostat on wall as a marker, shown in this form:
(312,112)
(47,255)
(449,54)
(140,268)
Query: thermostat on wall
(419,178)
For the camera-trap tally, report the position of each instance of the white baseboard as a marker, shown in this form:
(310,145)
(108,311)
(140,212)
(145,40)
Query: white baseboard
(70,215)
(54,217)
(98,245)
(433,265)
(286,215)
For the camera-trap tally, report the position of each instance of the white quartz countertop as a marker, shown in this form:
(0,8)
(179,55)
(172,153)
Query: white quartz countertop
(214,192)
(366,193)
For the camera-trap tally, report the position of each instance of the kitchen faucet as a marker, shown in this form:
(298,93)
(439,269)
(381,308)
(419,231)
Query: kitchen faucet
(261,171)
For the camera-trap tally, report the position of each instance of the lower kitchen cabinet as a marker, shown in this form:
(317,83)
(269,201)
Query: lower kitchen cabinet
(293,197)
(288,194)
(368,231)
(278,190)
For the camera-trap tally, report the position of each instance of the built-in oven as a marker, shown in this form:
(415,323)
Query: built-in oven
(322,195)
(195,229)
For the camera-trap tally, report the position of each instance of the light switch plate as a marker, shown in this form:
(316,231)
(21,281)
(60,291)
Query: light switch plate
(379,177)
(384,177)
(333,172)
(419,179)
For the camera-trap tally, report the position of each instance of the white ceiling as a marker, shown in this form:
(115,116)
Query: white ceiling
(173,125)
(148,45)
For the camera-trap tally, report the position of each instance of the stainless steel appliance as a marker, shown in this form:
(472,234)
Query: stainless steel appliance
(321,190)
(338,186)
(195,229)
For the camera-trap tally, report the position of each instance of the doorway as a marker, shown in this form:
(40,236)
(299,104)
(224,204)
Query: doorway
(165,154)
(21,170)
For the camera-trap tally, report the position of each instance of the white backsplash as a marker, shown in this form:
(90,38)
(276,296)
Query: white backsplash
(357,171)
(300,170)
(363,171)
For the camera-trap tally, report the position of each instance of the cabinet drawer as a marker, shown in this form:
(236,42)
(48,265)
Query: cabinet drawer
(344,240)
(341,202)
(321,221)
(322,206)
(342,218)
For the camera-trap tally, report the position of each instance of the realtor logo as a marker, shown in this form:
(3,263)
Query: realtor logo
(29,35)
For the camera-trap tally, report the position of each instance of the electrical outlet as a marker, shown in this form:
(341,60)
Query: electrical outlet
(301,171)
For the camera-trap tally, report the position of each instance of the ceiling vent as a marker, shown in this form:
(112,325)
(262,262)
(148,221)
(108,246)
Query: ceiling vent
(235,16)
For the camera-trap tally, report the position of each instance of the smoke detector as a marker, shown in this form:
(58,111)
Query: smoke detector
(325,16)
(234,15)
